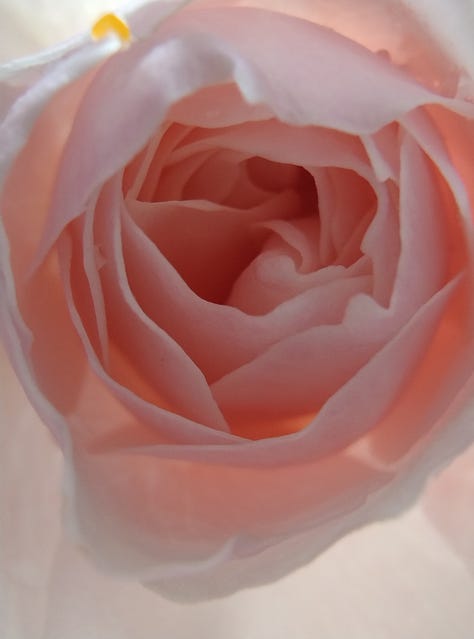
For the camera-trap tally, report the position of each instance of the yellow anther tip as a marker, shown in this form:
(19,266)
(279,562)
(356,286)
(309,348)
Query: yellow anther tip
(111,23)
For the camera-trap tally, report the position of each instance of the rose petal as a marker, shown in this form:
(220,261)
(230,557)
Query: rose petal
(238,337)
(215,62)
(394,580)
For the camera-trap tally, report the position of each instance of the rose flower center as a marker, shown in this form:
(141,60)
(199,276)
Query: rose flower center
(240,229)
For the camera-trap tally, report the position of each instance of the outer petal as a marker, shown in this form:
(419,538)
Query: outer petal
(422,35)
(392,581)
(452,26)
(27,25)
(395,580)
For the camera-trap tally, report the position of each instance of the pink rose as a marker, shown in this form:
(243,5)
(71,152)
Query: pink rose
(236,278)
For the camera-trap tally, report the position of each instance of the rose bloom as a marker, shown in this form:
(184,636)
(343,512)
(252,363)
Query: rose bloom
(236,278)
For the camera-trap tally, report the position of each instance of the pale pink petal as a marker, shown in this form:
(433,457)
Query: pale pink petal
(121,96)
(395,580)
(430,39)
(340,352)
(164,364)
(114,413)
(451,27)
(237,337)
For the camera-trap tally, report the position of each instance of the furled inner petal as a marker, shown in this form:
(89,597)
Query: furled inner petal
(273,278)
(219,328)
(383,150)
(142,174)
(108,414)
(344,201)
(209,245)
(334,368)
(145,346)
(339,351)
